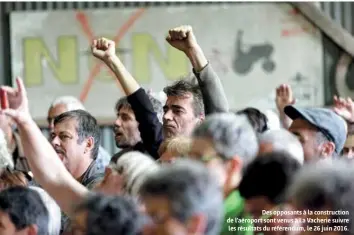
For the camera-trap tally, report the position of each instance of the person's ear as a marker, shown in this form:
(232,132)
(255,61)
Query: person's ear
(327,149)
(90,142)
(31,230)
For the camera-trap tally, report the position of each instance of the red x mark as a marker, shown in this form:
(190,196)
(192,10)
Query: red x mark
(82,18)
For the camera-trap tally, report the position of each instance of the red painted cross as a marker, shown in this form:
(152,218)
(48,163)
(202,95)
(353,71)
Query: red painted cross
(82,19)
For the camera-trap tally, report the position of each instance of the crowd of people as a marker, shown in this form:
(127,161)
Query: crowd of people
(187,165)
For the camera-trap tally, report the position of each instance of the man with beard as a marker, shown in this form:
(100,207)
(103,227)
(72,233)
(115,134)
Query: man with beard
(321,131)
(126,127)
(187,102)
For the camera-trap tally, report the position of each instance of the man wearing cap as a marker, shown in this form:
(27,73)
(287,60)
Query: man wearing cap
(321,131)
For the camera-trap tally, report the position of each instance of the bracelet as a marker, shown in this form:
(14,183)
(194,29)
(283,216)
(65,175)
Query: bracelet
(201,68)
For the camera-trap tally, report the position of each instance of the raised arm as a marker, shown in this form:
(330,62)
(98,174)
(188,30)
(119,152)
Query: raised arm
(284,97)
(44,162)
(149,126)
(183,39)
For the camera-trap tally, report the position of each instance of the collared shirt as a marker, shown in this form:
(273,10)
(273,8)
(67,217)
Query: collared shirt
(234,207)
(103,159)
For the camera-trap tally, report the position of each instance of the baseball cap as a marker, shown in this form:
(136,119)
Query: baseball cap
(327,121)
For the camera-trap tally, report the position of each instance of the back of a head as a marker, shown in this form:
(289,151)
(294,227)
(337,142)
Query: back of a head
(284,141)
(53,211)
(191,189)
(231,134)
(257,119)
(179,145)
(25,208)
(87,126)
(328,186)
(269,176)
(71,102)
(136,167)
(111,215)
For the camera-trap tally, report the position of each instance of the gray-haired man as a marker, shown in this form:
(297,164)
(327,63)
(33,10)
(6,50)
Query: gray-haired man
(183,198)
(64,104)
(225,142)
(321,131)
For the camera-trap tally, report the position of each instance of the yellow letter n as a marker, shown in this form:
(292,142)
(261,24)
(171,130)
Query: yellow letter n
(64,68)
(173,65)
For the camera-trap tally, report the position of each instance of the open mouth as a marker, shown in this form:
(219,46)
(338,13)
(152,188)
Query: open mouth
(59,151)
(118,135)
(61,154)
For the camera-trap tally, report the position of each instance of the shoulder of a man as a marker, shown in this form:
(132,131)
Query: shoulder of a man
(93,176)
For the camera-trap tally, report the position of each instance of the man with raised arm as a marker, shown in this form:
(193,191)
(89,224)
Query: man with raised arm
(60,184)
(184,108)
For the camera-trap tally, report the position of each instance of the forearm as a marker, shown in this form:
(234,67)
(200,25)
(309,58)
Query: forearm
(47,168)
(285,121)
(197,58)
(128,83)
(214,96)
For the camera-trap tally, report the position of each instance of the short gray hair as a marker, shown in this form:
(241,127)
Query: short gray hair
(190,189)
(326,183)
(135,167)
(54,213)
(71,102)
(284,141)
(231,134)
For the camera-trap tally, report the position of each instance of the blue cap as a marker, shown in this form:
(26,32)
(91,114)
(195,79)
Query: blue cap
(327,121)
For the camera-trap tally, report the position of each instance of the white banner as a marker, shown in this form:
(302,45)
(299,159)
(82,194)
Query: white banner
(252,47)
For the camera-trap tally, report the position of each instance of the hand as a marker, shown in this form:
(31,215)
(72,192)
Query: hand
(103,48)
(284,97)
(18,102)
(344,108)
(182,38)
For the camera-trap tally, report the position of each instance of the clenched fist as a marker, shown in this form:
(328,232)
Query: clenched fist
(182,38)
(103,48)
(284,97)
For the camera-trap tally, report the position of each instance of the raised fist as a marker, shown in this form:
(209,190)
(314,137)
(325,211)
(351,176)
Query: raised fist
(284,97)
(103,48)
(182,38)
(344,108)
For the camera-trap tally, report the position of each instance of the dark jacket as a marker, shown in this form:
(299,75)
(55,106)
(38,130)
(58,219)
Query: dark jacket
(149,126)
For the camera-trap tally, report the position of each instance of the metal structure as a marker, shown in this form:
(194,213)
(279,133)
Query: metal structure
(340,12)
